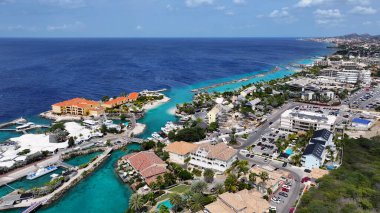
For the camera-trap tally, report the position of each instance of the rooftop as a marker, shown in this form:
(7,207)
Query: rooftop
(219,151)
(79,102)
(181,147)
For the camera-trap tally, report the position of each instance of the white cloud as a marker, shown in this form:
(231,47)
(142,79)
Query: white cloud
(308,3)
(220,8)
(367,23)
(65,3)
(196,3)
(65,27)
(229,13)
(279,13)
(363,10)
(239,1)
(331,13)
(328,17)
(19,28)
(281,16)
(362,2)
(139,27)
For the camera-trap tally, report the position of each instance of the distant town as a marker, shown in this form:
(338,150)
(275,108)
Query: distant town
(259,148)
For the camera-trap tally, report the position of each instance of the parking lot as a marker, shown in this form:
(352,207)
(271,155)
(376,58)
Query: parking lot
(280,198)
(265,145)
(365,99)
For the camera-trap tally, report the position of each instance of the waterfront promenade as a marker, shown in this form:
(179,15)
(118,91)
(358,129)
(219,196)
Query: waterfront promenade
(23,171)
(67,185)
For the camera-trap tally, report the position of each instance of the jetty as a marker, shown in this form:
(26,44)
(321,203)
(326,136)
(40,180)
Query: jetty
(10,123)
(276,69)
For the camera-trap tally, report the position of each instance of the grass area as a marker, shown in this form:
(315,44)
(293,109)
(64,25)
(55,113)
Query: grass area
(180,189)
(163,197)
(354,187)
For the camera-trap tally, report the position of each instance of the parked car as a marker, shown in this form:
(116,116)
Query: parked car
(305,179)
(307,170)
(276,199)
(283,194)
(285,190)
(272,209)
(284,164)
(286,186)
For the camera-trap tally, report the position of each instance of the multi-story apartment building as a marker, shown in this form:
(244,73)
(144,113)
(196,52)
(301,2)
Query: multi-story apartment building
(300,120)
(78,106)
(217,157)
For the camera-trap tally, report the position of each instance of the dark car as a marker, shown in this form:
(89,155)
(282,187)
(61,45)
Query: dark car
(307,170)
(284,164)
(247,155)
(251,156)
(283,194)
(305,179)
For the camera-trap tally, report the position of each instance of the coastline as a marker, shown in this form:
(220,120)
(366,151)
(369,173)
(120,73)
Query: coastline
(154,104)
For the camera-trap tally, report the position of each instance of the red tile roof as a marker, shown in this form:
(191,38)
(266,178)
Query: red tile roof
(148,164)
(133,96)
(78,102)
(116,100)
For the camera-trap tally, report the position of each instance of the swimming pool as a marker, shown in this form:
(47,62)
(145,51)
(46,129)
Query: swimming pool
(165,203)
(289,151)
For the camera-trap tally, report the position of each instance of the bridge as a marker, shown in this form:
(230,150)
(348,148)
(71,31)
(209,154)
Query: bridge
(135,140)
(34,206)
(65,165)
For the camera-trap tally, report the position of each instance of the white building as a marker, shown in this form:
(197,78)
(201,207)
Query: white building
(313,156)
(296,120)
(212,115)
(348,76)
(253,103)
(248,91)
(307,95)
(217,157)
(180,151)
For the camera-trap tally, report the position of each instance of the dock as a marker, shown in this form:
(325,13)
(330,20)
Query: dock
(34,206)
(26,129)
(10,123)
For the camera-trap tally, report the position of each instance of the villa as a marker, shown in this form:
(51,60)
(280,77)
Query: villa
(243,201)
(217,157)
(147,164)
(315,153)
(112,103)
(180,151)
(276,178)
(78,106)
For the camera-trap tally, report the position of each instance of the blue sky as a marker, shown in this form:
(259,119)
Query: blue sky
(187,18)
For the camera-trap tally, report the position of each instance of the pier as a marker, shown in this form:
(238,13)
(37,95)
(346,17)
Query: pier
(276,69)
(34,206)
(26,129)
(10,123)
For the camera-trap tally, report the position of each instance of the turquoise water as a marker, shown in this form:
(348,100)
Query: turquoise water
(79,160)
(28,184)
(165,203)
(289,151)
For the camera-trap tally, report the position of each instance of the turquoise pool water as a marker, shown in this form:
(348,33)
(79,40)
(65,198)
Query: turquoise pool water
(165,203)
(289,151)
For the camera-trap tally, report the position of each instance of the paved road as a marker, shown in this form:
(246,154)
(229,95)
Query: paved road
(265,127)
(296,172)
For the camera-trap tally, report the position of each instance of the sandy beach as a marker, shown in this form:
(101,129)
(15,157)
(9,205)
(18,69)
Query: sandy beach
(154,104)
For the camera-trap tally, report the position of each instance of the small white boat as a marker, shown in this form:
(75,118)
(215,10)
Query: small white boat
(40,172)
(24,126)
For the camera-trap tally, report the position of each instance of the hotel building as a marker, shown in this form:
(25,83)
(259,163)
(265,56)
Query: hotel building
(300,120)
(78,106)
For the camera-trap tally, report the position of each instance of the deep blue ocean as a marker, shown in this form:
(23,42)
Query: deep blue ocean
(35,73)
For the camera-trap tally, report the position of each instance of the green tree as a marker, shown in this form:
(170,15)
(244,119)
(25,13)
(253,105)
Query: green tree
(264,176)
(136,202)
(71,142)
(231,183)
(252,177)
(199,187)
(196,202)
(176,201)
(208,175)
(219,188)
(163,209)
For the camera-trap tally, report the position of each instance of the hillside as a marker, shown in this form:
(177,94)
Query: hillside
(354,187)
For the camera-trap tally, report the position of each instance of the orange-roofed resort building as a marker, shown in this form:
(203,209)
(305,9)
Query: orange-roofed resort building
(84,107)
(78,106)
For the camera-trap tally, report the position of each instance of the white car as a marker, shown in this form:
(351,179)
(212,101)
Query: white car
(286,186)
(276,199)
(272,208)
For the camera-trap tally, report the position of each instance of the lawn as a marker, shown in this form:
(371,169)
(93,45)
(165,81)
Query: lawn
(180,189)
(163,197)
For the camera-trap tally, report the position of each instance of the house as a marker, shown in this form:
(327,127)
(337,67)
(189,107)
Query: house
(313,156)
(276,178)
(244,201)
(147,164)
(180,151)
(248,91)
(323,137)
(133,96)
(78,106)
(253,103)
(217,157)
(212,115)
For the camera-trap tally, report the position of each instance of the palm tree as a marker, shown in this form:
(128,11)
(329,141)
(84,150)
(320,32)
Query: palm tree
(136,202)
(231,183)
(264,176)
(198,187)
(196,202)
(219,188)
(252,177)
(243,166)
(208,175)
(176,201)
